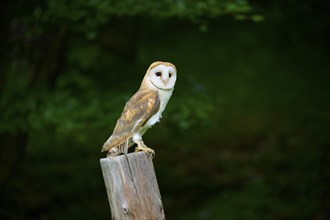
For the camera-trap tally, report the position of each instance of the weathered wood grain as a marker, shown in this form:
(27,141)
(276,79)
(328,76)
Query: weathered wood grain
(132,187)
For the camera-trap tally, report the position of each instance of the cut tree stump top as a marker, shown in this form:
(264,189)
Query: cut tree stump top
(132,187)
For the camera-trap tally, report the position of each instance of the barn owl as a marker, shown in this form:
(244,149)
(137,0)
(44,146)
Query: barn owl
(143,110)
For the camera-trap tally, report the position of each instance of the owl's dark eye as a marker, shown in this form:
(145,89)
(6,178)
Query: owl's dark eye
(158,74)
(169,75)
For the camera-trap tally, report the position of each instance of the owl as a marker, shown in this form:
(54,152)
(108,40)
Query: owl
(143,110)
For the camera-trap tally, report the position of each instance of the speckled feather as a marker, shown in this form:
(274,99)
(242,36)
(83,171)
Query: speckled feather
(138,110)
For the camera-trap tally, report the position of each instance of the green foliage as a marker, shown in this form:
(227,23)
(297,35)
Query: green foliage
(88,16)
(74,11)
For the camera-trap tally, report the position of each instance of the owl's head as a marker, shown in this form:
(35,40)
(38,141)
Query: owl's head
(160,75)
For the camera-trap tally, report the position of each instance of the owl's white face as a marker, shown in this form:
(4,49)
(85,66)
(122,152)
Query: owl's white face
(162,76)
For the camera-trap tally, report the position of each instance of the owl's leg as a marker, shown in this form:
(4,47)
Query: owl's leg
(142,147)
(124,147)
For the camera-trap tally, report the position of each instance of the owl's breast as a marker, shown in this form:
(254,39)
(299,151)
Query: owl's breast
(153,120)
(164,97)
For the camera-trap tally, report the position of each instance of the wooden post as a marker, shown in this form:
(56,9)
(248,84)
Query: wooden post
(132,187)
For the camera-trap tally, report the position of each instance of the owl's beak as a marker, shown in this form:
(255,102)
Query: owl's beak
(165,80)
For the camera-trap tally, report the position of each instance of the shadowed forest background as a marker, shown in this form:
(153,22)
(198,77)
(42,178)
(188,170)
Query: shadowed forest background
(244,136)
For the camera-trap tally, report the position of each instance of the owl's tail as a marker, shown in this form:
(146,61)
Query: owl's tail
(116,150)
(115,141)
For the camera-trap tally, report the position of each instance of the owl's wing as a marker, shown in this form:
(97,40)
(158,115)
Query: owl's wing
(137,111)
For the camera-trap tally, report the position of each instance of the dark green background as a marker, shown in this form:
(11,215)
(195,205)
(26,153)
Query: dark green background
(244,136)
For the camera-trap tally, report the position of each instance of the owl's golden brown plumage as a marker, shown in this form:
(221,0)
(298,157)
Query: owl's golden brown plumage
(143,110)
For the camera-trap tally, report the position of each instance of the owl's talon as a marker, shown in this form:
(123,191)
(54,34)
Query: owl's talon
(150,152)
(113,152)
